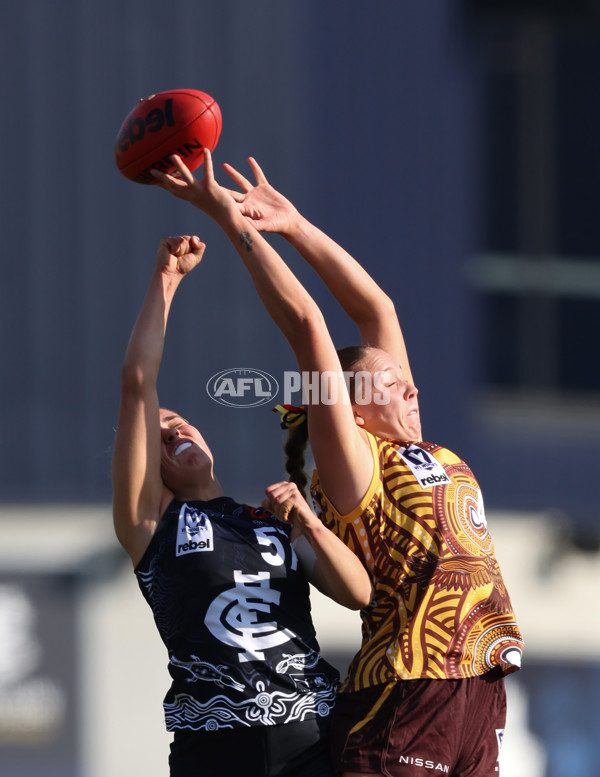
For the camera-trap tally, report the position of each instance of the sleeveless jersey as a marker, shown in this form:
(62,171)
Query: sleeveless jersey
(440,609)
(232,607)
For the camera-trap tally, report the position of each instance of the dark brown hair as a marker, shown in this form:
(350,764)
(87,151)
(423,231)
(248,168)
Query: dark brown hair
(294,450)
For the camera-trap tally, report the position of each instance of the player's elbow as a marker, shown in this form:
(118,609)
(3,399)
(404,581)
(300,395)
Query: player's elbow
(135,381)
(305,324)
(363,596)
(354,592)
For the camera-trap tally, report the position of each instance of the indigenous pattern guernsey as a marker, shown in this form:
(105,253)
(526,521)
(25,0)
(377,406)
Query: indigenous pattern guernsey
(232,606)
(441,609)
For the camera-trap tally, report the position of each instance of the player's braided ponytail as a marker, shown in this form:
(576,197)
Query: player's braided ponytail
(294,450)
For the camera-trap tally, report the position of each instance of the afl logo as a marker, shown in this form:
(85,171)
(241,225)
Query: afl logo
(242,388)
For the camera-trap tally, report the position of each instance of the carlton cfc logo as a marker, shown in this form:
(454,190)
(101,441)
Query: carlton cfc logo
(242,388)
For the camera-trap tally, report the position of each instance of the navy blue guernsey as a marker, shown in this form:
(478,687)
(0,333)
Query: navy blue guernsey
(232,606)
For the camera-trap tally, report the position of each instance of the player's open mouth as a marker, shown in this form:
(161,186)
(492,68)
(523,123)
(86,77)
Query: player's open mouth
(183,447)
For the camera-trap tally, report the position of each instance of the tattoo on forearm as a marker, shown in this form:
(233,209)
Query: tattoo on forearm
(246,240)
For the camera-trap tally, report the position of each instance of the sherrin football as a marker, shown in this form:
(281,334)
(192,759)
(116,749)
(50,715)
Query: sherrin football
(179,121)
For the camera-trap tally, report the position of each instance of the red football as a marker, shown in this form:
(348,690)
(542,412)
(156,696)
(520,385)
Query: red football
(180,121)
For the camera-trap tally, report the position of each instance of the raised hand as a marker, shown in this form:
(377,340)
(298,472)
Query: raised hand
(179,255)
(206,194)
(266,208)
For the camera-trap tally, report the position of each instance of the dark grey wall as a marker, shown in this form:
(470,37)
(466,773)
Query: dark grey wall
(365,115)
(345,110)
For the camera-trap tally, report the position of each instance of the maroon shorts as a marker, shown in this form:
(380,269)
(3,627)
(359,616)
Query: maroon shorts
(422,728)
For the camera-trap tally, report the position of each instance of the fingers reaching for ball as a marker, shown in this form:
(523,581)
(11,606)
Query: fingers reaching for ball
(261,204)
(183,172)
(177,182)
(206,194)
(239,179)
(261,178)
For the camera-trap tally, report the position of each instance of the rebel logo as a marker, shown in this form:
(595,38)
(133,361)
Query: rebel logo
(194,532)
(426,468)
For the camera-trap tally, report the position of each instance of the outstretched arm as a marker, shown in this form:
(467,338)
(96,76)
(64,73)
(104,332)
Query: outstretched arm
(329,565)
(138,492)
(340,448)
(359,295)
